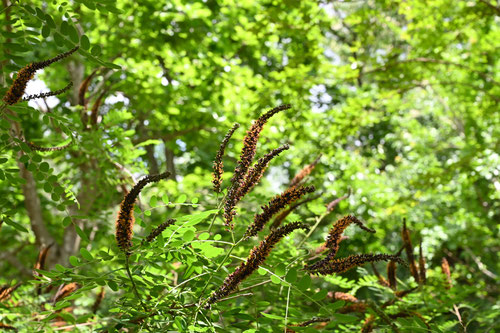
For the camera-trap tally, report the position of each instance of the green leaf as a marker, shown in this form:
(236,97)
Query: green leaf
(86,254)
(74,261)
(188,236)
(304,283)
(291,276)
(271,316)
(181,199)
(15,225)
(84,42)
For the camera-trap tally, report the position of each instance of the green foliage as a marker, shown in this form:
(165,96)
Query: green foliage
(399,97)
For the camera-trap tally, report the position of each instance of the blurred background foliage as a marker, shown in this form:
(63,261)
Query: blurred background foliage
(400,98)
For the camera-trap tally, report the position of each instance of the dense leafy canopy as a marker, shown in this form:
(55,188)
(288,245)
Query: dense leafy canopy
(398,98)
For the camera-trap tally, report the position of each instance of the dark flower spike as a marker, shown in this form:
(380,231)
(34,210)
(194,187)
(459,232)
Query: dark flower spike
(48,94)
(334,236)
(65,291)
(255,173)
(46,149)
(311,321)
(281,217)
(368,324)
(125,219)
(345,297)
(304,172)
(25,74)
(345,264)
(445,266)
(391,274)
(256,258)
(405,234)
(218,164)
(98,300)
(274,206)
(246,158)
(421,265)
(6,292)
(158,230)
(331,206)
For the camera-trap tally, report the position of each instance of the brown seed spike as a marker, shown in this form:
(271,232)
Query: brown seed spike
(98,300)
(445,266)
(256,257)
(304,172)
(274,206)
(218,164)
(405,234)
(46,149)
(25,74)
(246,158)
(6,292)
(125,218)
(391,274)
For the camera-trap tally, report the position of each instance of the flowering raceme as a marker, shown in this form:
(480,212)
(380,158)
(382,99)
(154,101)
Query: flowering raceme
(125,219)
(25,74)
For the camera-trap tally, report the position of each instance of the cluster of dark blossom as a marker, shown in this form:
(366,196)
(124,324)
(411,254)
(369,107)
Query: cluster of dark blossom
(158,230)
(282,216)
(125,219)
(405,235)
(256,257)
(255,172)
(25,74)
(46,149)
(218,163)
(330,265)
(246,157)
(276,204)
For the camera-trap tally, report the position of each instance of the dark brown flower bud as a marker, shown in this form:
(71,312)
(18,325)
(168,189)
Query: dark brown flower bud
(46,149)
(65,291)
(246,158)
(48,94)
(25,74)
(218,163)
(421,265)
(255,173)
(331,206)
(6,291)
(98,300)
(256,257)
(304,172)
(405,234)
(345,264)
(158,230)
(274,206)
(445,266)
(381,280)
(345,297)
(391,274)
(125,219)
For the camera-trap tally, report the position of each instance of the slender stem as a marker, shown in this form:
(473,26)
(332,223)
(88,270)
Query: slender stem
(383,316)
(318,221)
(287,304)
(219,208)
(134,287)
